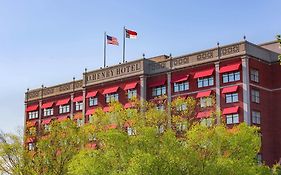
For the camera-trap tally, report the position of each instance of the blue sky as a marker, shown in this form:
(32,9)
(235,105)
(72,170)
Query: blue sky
(50,41)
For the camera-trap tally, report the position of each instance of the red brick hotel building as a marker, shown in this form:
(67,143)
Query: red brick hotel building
(245,79)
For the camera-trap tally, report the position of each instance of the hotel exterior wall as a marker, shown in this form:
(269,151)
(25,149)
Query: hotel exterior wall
(276,110)
(269,107)
(159,68)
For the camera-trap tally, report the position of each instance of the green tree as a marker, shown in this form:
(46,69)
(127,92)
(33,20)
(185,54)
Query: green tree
(11,154)
(139,141)
(55,148)
(155,149)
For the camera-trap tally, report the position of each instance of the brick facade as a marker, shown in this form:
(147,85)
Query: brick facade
(236,59)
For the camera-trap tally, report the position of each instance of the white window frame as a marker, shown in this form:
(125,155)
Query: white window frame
(93,101)
(131,131)
(181,107)
(181,86)
(206,102)
(232,118)
(47,127)
(48,112)
(33,114)
(181,126)
(159,91)
(64,109)
(79,122)
(31,146)
(111,97)
(206,122)
(205,81)
(132,93)
(79,106)
(231,97)
(231,77)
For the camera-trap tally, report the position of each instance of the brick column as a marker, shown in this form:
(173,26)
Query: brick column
(39,114)
(142,91)
(71,106)
(246,89)
(84,96)
(218,96)
(40,107)
(25,113)
(84,105)
(169,94)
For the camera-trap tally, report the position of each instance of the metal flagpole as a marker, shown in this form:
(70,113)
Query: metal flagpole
(124,40)
(104,50)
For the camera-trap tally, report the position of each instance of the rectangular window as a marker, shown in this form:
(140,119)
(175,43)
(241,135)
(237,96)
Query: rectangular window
(231,98)
(111,97)
(182,86)
(93,101)
(232,119)
(31,146)
(230,77)
(181,107)
(79,106)
(64,109)
(46,128)
(160,107)
(182,126)
(32,114)
(158,91)
(204,82)
(255,96)
(79,122)
(131,131)
(205,102)
(48,112)
(91,118)
(206,122)
(256,117)
(132,93)
(255,75)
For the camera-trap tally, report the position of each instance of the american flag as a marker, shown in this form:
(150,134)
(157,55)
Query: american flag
(112,40)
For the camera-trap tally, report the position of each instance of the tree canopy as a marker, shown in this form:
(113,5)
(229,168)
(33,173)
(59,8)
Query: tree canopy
(136,141)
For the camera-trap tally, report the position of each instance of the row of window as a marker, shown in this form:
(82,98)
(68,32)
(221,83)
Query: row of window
(161,90)
(234,118)
(93,101)
(206,81)
(230,118)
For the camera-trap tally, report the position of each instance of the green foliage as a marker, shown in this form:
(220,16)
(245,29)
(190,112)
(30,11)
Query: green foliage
(200,150)
(54,149)
(150,148)
(11,154)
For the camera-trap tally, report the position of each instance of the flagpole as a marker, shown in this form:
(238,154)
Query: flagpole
(124,40)
(104,50)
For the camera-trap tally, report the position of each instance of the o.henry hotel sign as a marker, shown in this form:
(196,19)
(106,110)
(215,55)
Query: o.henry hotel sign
(114,72)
